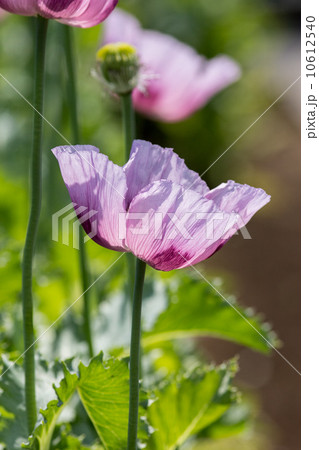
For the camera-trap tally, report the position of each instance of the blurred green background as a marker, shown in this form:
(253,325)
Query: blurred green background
(263,36)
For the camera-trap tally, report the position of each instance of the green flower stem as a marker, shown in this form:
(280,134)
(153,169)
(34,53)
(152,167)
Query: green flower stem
(129,136)
(35,209)
(135,355)
(128,123)
(83,259)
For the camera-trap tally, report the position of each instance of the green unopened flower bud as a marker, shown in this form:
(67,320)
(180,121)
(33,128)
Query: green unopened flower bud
(119,66)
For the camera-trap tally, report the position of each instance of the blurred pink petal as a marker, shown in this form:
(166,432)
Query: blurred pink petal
(168,216)
(2,13)
(178,81)
(79,13)
(123,28)
(150,163)
(23,7)
(99,187)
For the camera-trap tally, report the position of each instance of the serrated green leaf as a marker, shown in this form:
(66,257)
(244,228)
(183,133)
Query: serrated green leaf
(43,432)
(188,403)
(104,392)
(224,399)
(103,388)
(195,309)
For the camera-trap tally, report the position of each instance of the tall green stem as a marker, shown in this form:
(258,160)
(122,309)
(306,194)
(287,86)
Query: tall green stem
(129,136)
(135,355)
(35,209)
(83,259)
(128,123)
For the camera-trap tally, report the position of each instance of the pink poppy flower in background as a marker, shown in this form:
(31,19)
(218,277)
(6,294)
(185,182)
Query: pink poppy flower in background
(154,206)
(175,80)
(77,13)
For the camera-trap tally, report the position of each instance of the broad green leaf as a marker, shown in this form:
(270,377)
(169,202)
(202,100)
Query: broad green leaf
(104,392)
(188,403)
(196,309)
(103,388)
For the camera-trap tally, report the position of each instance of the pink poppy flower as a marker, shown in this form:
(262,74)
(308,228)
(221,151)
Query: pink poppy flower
(77,13)
(175,80)
(154,206)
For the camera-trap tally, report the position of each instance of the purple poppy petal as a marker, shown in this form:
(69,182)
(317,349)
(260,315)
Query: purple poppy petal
(239,198)
(96,12)
(176,79)
(183,80)
(57,9)
(122,27)
(79,13)
(23,7)
(98,188)
(149,163)
(169,228)
(212,76)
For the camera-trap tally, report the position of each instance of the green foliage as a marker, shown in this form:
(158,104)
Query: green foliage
(188,403)
(232,423)
(42,435)
(63,440)
(196,309)
(104,392)
(66,441)
(13,426)
(183,405)
(103,388)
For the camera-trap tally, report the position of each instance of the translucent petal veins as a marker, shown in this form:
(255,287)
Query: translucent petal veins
(154,206)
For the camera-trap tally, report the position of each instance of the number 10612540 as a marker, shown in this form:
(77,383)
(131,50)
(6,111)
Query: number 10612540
(310,47)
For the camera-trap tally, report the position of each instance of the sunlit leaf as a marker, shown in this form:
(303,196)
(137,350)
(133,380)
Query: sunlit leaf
(103,388)
(104,392)
(44,430)
(195,309)
(64,440)
(189,402)
(233,422)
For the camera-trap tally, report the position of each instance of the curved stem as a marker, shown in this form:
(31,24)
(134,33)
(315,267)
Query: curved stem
(83,259)
(129,136)
(135,355)
(35,209)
